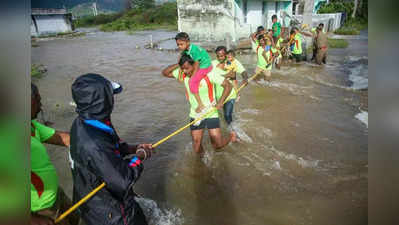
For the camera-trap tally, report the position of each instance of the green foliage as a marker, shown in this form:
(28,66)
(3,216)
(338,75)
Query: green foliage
(37,70)
(162,16)
(336,7)
(89,21)
(142,4)
(337,43)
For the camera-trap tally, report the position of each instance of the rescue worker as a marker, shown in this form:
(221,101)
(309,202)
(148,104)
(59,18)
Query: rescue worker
(98,155)
(321,46)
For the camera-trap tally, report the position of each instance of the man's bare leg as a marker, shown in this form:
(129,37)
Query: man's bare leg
(218,141)
(197,141)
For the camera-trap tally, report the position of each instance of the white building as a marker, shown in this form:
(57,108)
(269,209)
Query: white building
(215,20)
(50,21)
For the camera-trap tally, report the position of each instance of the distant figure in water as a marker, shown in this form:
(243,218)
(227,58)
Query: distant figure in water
(98,155)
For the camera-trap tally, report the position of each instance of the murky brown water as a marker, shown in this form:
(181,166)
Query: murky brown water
(303,155)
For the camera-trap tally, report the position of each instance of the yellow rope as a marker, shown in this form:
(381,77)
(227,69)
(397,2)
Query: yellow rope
(88,196)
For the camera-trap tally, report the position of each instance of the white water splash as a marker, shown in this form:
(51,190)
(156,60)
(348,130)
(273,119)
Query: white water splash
(240,132)
(364,117)
(158,216)
(251,111)
(359,78)
(305,163)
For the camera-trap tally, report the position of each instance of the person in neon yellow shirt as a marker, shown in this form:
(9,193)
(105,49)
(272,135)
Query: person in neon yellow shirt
(183,71)
(265,56)
(44,179)
(297,41)
(219,67)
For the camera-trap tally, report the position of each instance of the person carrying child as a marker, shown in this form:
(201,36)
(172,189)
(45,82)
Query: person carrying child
(265,56)
(202,64)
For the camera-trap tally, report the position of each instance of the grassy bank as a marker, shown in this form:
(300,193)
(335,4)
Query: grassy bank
(337,43)
(37,70)
(159,17)
(352,27)
(91,21)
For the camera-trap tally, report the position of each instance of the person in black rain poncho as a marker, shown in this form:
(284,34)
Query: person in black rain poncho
(97,155)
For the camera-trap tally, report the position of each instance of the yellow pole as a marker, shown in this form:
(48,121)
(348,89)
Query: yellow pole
(83,200)
(88,196)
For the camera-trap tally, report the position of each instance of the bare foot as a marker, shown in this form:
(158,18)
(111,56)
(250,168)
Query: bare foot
(233,136)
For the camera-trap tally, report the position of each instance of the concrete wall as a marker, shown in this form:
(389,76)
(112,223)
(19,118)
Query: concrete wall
(50,24)
(206,19)
(331,21)
(217,20)
(254,13)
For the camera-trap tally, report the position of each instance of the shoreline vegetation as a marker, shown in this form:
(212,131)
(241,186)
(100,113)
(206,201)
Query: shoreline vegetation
(38,70)
(352,25)
(158,17)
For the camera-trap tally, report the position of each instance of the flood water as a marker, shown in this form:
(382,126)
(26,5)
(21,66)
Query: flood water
(302,158)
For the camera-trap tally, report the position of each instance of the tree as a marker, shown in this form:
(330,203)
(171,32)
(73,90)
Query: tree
(355,9)
(142,4)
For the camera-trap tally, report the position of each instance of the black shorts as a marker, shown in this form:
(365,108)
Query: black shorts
(210,123)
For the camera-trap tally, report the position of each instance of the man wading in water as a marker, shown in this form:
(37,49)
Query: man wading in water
(182,72)
(218,65)
(98,156)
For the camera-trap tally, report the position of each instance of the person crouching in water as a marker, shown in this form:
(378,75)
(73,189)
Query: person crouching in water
(97,156)
(202,64)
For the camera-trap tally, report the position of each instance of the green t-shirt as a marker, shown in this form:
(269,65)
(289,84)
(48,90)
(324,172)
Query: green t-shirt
(44,180)
(262,62)
(297,44)
(276,29)
(215,80)
(200,55)
(219,88)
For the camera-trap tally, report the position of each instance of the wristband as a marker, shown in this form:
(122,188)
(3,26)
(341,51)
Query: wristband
(142,150)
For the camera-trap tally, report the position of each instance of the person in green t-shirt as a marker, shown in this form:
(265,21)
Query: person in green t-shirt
(277,29)
(44,179)
(183,71)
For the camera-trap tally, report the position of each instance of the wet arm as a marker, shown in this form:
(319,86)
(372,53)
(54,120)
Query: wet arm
(226,91)
(168,71)
(59,138)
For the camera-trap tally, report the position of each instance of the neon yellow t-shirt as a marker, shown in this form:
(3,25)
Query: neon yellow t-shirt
(297,44)
(219,89)
(262,63)
(44,180)
(215,79)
